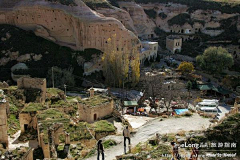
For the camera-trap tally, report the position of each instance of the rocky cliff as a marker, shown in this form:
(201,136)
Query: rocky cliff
(73,24)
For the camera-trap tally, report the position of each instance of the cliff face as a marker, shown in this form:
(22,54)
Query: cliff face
(143,25)
(75,26)
(121,15)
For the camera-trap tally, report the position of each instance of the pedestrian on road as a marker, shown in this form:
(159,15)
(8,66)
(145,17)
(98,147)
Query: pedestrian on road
(126,135)
(100,149)
(175,152)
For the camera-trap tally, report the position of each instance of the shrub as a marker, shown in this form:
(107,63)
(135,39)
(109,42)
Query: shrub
(162,15)
(187,114)
(164,116)
(151,13)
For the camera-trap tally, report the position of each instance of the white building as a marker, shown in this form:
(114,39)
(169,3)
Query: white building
(148,50)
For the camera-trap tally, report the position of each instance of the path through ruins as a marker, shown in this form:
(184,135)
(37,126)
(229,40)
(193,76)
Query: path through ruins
(170,125)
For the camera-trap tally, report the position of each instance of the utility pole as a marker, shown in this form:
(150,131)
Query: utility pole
(52,77)
(65,87)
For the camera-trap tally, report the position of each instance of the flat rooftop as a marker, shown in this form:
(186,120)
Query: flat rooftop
(149,42)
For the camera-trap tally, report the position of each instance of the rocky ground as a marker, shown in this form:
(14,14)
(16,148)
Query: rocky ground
(170,125)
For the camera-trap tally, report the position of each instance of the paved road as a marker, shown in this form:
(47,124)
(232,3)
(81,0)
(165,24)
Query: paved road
(171,125)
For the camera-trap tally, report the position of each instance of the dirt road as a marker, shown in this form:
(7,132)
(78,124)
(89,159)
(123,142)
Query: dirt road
(170,125)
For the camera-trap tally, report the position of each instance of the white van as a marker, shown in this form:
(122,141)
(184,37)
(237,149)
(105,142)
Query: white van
(208,106)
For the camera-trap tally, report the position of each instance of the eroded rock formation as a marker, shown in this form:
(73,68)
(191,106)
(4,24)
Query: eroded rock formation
(77,26)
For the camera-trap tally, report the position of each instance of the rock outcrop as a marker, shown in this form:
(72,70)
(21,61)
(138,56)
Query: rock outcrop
(143,25)
(74,26)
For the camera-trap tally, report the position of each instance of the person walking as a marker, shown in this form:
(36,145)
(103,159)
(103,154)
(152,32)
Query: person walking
(126,135)
(175,152)
(100,149)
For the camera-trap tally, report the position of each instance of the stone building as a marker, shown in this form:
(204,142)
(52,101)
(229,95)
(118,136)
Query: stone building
(34,83)
(28,116)
(148,50)
(4,107)
(95,107)
(174,44)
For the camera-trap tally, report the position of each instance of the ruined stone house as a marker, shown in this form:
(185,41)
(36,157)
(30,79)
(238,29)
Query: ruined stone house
(95,107)
(34,83)
(4,108)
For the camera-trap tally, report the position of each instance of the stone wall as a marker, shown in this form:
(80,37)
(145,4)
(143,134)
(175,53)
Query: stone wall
(86,113)
(36,83)
(28,155)
(3,124)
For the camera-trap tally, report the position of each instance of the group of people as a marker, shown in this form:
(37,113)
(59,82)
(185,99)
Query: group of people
(100,148)
(126,135)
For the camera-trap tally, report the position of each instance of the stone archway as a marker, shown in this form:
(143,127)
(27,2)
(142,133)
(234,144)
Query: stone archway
(177,51)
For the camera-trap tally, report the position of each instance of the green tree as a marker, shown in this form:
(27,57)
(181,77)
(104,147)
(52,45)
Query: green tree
(214,60)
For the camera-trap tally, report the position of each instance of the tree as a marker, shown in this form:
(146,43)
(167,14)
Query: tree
(186,67)
(61,77)
(135,66)
(214,60)
(117,63)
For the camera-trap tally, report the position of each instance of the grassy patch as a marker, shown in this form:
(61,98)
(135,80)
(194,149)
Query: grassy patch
(103,126)
(95,100)
(109,143)
(51,114)
(54,91)
(13,124)
(33,107)
(48,117)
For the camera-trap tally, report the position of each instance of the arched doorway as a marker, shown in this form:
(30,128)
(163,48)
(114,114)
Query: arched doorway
(95,117)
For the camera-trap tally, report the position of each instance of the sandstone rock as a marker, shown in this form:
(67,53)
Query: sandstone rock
(3,39)
(37,57)
(19,66)
(121,15)
(77,27)
(143,25)
(13,55)
(5,85)
(80,60)
(24,58)
(8,35)
(4,61)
